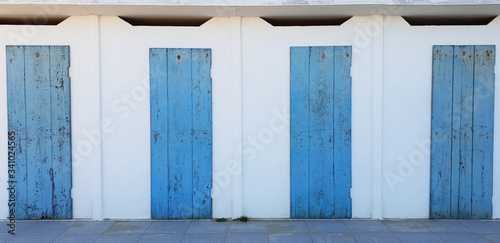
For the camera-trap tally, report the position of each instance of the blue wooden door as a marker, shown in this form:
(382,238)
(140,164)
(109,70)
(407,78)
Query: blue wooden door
(38,97)
(463,86)
(320,132)
(181,133)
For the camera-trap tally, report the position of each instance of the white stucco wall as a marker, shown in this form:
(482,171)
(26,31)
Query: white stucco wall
(74,32)
(125,75)
(391,108)
(266,97)
(407,111)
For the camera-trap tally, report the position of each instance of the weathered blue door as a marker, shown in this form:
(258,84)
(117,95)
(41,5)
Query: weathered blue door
(181,133)
(320,132)
(463,88)
(38,97)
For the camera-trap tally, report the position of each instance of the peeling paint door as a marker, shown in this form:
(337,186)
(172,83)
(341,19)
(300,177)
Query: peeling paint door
(181,133)
(320,132)
(463,89)
(38,97)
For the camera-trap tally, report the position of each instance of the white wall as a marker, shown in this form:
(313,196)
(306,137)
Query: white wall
(391,108)
(125,75)
(266,97)
(74,32)
(407,111)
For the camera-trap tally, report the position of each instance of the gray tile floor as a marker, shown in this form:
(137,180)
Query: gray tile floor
(321,231)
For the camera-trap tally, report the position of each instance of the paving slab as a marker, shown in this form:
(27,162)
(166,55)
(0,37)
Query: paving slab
(248,227)
(376,237)
(48,228)
(446,226)
(128,227)
(246,237)
(366,226)
(88,228)
(462,238)
(204,237)
(293,237)
(168,227)
(32,238)
(160,238)
(406,226)
(207,227)
(126,238)
(332,237)
(482,226)
(326,226)
(408,237)
(278,227)
(76,238)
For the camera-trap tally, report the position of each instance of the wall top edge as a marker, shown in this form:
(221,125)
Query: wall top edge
(250,3)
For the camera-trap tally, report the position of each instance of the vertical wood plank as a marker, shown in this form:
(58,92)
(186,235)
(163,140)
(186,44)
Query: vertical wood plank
(180,128)
(299,132)
(442,94)
(16,109)
(321,132)
(482,170)
(464,73)
(61,132)
(455,134)
(342,132)
(37,71)
(202,133)
(159,136)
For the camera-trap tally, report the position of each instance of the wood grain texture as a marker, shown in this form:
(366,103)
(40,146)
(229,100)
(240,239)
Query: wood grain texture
(61,132)
(442,98)
(320,126)
(16,110)
(299,132)
(461,162)
(39,101)
(463,74)
(342,132)
(321,132)
(181,133)
(159,126)
(483,120)
(202,133)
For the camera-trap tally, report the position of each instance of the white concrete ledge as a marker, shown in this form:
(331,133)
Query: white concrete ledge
(238,3)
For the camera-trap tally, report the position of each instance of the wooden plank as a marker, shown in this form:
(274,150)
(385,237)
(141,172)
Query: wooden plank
(37,71)
(442,92)
(159,139)
(321,132)
(482,148)
(299,132)
(202,133)
(61,132)
(464,71)
(16,109)
(180,124)
(455,133)
(342,132)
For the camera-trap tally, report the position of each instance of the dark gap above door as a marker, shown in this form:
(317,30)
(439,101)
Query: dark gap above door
(168,21)
(448,20)
(306,21)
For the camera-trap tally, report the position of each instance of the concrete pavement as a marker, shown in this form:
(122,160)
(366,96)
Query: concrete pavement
(419,230)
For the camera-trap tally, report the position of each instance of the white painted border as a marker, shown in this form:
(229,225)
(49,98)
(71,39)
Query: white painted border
(74,32)
(407,110)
